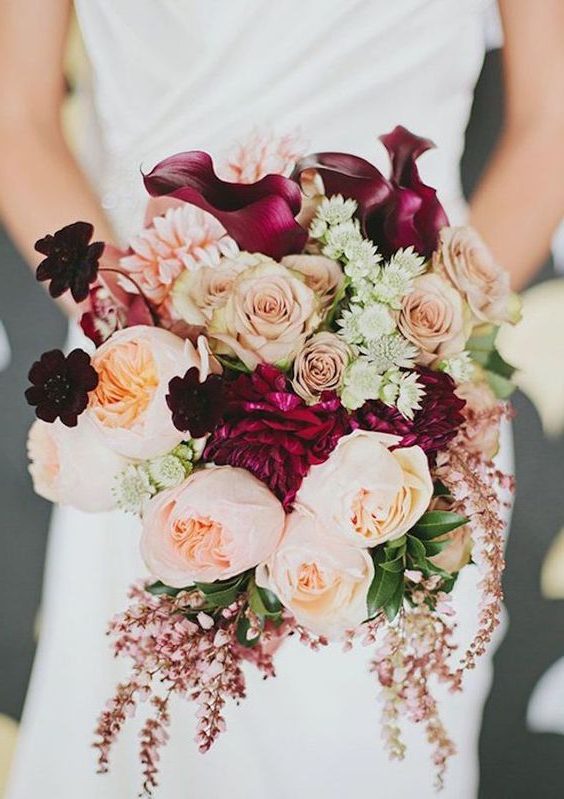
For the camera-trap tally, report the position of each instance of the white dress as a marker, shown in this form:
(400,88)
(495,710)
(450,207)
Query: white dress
(185,74)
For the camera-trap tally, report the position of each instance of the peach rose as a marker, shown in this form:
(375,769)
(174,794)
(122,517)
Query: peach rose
(197,294)
(320,366)
(323,275)
(71,466)
(322,580)
(267,317)
(128,406)
(481,433)
(432,317)
(367,493)
(463,257)
(219,522)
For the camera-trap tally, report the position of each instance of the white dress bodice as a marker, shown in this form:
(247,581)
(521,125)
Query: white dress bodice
(175,75)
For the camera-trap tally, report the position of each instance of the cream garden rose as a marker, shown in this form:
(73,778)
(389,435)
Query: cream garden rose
(367,493)
(432,318)
(323,275)
(320,366)
(128,406)
(218,523)
(323,581)
(71,466)
(269,314)
(465,260)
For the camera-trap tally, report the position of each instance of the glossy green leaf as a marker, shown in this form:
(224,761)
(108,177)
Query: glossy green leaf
(382,588)
(160,589)
(392,607)
(243,627)
(437,522)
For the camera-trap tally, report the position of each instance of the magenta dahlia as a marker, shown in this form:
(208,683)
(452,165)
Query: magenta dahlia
(432,427)
(270,431)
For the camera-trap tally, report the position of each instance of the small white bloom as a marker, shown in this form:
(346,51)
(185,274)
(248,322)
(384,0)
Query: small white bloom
(390,352)
(349,323)
(409,260)
(376,321)
(317,228)
(393,284)
(361,382)
(362,256)
(335,210)
(410,393)
(133,488)
(340,237)
(460,367)
(168,471)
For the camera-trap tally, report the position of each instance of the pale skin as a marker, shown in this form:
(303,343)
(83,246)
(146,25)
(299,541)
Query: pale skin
(516,207)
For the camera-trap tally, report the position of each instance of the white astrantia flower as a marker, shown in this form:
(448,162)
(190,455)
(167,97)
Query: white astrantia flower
(409,260)
(460,367)
(168,471)
(393,284)
(133,488)
(409,392)
(335,210)
(339,237)
(349,323)
(362,257)
(318,228)
(376,321)
(361,382)
(389,352)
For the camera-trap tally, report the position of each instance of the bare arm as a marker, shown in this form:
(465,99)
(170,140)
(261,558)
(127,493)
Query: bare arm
(520,200)
(41,186)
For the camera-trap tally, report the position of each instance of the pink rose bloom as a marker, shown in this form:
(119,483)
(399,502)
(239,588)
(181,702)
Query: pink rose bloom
(320,366)
(71,466)
(184,237)
(432,318)
(465,260)
(218,523)
(322,275)
(267,317)
(481,432)
(322,580)
(128,406)
(367,493)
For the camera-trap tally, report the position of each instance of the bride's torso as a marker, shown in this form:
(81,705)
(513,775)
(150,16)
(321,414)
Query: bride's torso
(201,74)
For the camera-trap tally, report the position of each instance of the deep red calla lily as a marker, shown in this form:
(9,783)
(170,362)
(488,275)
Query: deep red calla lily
(259,216)
(399,211)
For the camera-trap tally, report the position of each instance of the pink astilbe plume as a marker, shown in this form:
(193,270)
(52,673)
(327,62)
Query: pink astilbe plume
(263,153)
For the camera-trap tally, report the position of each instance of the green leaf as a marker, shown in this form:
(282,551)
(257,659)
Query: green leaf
(392,607)
(263,602)
(482,343)
(396,565)
(499,365)
(222,593)
(501,386)
(440,490)
(382,588)
(416,549)
(235,364)
(437,522)
(158,589)
(434,547)
(398,542)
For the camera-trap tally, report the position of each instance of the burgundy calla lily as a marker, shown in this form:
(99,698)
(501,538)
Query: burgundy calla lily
(399,211)
(259,216)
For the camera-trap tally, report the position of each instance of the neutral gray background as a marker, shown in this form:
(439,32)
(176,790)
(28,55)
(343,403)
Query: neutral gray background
(515,764)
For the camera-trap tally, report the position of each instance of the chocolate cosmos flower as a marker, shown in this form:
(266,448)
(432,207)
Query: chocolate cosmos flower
(60,385)
(71,262)
(196,407)
(394,212)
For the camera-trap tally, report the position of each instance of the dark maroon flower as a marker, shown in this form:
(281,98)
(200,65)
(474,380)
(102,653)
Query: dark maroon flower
(196,407)
(60,385)
(270,431)
(432,427)
(400,211)
(259,216)
(71,262)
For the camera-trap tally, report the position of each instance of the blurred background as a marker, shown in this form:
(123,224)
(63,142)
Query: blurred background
(516,761)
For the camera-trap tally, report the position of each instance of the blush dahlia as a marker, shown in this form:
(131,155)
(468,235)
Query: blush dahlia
(60,385)
(270,431)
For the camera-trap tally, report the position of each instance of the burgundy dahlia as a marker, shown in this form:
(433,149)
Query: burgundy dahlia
(270,431)
(432,427)
(196,407)
(71,262)
(60,385)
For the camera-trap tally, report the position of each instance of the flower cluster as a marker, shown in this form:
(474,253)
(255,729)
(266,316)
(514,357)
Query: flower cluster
(296,387)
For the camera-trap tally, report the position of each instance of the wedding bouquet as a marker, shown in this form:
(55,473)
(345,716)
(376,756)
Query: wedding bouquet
(295,385)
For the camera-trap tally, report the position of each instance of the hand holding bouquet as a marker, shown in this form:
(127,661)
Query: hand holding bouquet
(295,385)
